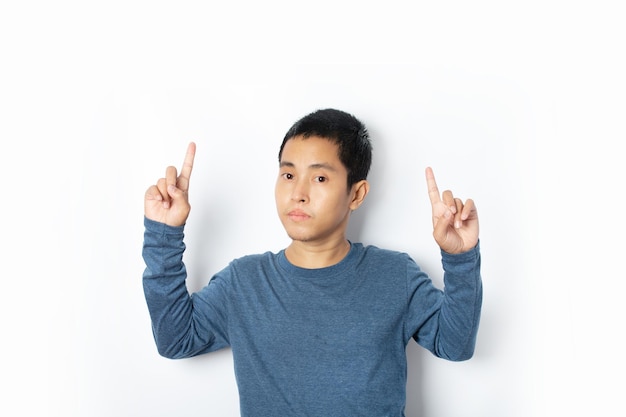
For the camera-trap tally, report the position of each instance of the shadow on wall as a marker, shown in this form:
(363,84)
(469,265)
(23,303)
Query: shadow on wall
(414,385)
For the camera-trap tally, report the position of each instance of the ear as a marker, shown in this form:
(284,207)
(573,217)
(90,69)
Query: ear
(359,192)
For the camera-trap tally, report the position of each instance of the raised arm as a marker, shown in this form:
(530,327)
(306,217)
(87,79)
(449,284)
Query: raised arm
(451,332)
(181,327)
(455,224)
(167,201)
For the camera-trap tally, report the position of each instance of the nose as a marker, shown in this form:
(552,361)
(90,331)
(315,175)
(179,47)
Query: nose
(300,192)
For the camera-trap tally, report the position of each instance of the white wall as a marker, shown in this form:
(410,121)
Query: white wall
(517,105)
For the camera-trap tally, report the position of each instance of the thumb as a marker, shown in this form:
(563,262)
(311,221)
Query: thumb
(174,192)
(180,208)
(440,231)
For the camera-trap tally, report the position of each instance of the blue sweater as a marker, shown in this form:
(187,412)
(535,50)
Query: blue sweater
(313,342)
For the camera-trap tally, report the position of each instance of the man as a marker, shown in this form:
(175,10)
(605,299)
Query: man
(321,327)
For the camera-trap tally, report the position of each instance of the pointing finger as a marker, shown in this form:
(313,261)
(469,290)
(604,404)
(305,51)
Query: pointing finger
(185,172)
(433,191)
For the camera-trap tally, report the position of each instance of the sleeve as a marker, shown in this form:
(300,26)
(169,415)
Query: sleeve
(446,321)
(183,325)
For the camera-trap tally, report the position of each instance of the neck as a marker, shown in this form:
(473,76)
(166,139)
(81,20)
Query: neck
(312,256)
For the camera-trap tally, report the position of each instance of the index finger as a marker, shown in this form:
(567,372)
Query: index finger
(433,191)
(185,172)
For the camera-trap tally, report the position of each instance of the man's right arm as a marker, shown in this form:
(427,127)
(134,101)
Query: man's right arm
(180,329)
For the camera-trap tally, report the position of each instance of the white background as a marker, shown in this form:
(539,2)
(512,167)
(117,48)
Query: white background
(518,105)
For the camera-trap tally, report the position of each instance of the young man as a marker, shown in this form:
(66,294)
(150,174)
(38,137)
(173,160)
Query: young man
(321,327)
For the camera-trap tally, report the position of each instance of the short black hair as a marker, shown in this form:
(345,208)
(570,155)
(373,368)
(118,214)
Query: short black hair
(346,131)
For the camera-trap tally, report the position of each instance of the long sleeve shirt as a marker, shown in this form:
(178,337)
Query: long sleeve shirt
(313,342)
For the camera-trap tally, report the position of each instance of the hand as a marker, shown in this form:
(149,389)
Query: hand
(455,225)
(168,201)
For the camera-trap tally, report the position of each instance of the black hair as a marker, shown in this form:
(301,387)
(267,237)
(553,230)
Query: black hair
(343,129)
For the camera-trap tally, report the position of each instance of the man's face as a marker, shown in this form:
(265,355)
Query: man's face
(312,198)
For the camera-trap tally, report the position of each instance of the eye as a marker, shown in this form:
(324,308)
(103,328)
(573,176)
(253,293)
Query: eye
(320,179)
(287,176)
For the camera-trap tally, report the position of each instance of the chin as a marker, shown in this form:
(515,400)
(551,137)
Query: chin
(300,237)
(301,234)
(297,233)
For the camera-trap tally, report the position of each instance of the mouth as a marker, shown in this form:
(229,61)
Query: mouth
(298,215)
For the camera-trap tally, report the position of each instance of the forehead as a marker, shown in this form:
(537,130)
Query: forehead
(312,148)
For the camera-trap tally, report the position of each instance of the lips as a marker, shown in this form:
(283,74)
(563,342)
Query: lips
(298,215)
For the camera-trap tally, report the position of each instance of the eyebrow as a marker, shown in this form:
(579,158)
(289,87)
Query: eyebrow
(320,165)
